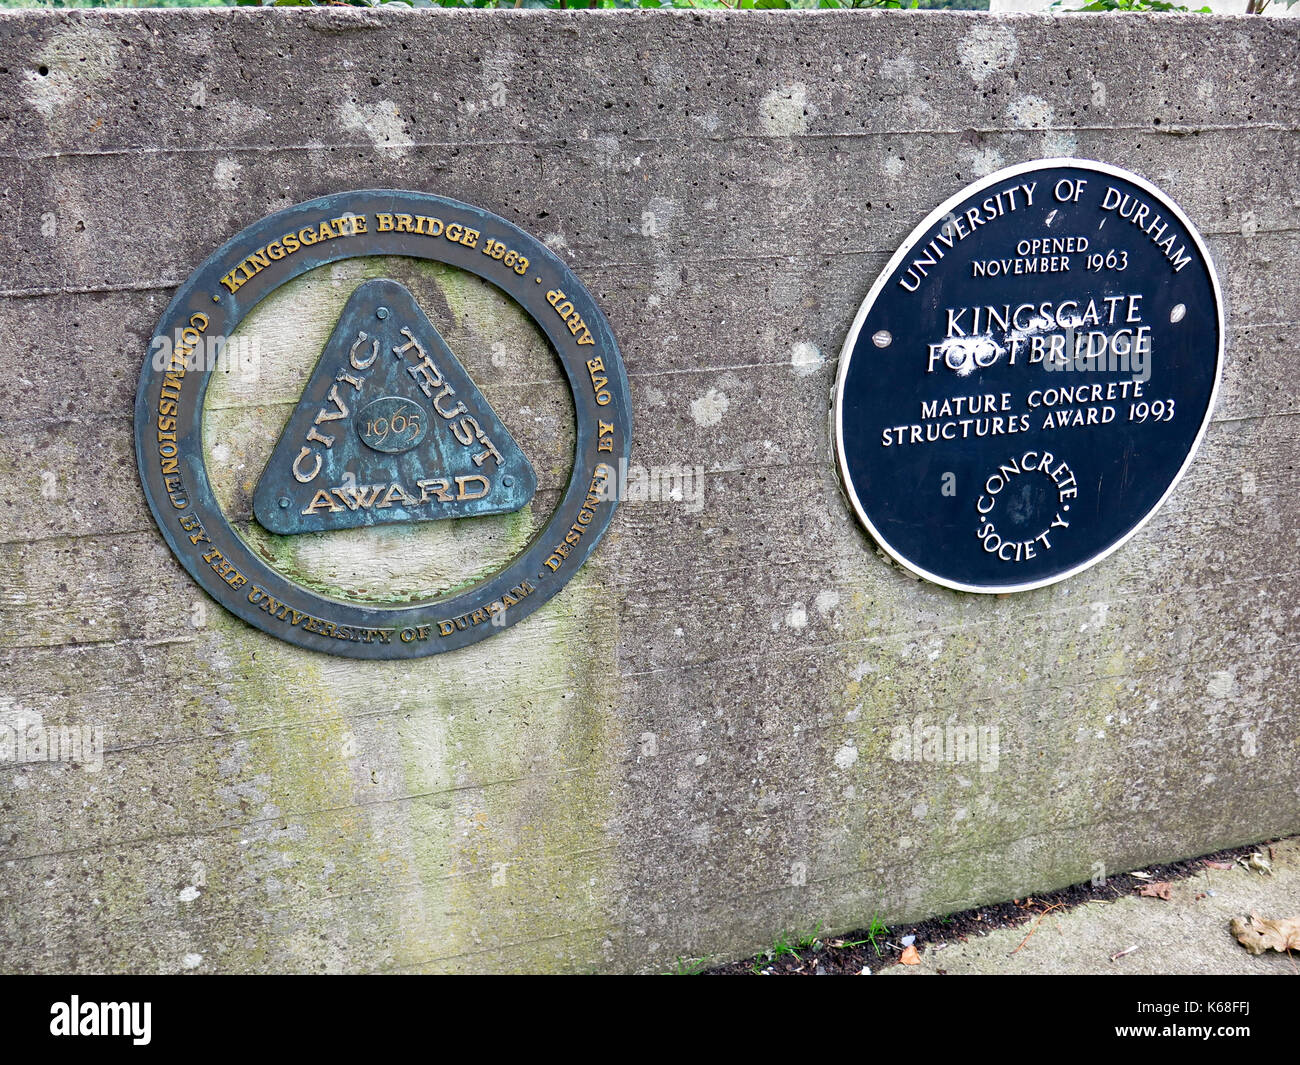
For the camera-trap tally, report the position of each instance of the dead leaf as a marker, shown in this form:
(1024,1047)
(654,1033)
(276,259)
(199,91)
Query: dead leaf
(910,956)
(1158,890)
(1219,865)
(1261,934)
(1259,864)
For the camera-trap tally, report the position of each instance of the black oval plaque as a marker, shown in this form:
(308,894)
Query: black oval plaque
(1029,377)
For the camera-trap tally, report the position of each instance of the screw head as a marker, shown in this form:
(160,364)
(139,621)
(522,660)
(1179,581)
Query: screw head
(284,502)
(382,313)
(507,480)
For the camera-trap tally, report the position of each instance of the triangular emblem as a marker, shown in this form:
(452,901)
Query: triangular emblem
(390,428)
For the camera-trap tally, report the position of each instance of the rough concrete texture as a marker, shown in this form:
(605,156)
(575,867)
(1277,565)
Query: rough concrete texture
(687,750)
(1188,934)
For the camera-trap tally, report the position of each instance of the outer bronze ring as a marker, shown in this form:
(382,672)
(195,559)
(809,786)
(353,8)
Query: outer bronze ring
(169,427)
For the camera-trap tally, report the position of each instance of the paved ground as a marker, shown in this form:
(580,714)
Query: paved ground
(1187,934)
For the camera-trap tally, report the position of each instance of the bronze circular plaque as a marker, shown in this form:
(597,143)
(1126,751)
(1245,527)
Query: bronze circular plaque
(387,399)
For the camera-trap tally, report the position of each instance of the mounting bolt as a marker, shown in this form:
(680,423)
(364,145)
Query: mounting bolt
(382,313)
(284,501)
(507,480)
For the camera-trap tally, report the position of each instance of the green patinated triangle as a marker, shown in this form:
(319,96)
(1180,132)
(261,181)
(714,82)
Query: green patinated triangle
(390,428)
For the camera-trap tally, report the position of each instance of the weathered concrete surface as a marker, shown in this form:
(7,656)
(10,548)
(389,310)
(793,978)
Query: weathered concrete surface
(687,750)
(1186,935)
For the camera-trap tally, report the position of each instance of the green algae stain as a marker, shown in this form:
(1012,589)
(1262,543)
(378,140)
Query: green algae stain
(512,743)
(456,806)
(447,556)
(280,793)
(930,659)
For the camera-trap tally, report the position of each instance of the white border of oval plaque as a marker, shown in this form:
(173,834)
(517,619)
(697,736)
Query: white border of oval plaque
(169,423)
(934,504)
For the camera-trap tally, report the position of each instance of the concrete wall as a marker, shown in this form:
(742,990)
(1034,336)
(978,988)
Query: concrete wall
(1275,9)
(688,749)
